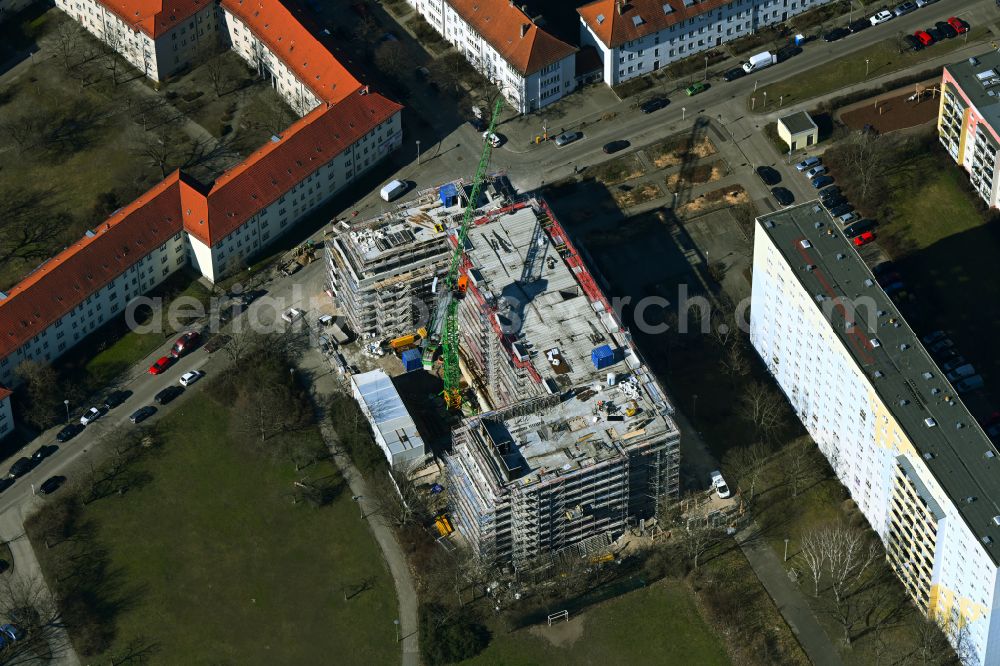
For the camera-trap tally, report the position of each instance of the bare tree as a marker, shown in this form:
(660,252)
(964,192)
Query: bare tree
(24,132)
(749,463)
(214,67)
(366,29)
(43,390)
(391,59)
(158,150)
(799,465)
(812,552)
(764,407)
(697,539)
(865,156)
(66,41)
(111,58)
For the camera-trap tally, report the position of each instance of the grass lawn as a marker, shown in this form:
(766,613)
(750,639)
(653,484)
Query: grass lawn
(226,569)
(659,624)
(883,58)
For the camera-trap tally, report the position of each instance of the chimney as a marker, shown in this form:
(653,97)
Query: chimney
(524,29)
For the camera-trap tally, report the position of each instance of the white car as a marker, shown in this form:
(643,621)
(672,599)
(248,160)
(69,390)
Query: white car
(881,17)
(719,484)
(90,416)
(292,314)
(808,163)
(189,378)
(494,139)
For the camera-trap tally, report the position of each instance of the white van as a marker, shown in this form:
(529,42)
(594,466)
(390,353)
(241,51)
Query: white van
(393,190)
(719,484)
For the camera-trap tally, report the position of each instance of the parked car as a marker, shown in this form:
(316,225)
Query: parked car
(615,146)
(51,484)
(5,483)
(719,484)
(852,230)
(168,394)
(940,346)
(923,37)
(695,88)
(935,34)
(141,414)
(888,278)
(912,43)
(830,191)
(969,384)
(783,196)
(883,267)
(478,124)
(654,104)
(821,181)
(953,363)
(961,372)
(568,137)
(189,378)
(960,26)
(69,432)
(160,365)
(924,3)
(946,29)
(835,34)
(769,175)
(44,451)
(863,239)
(904,8)
(859,25)
(185,344)
(493,139)
(816,171)
(933,337)
(881,17)
(833,202)
(90,416)
(808,163)
(733,74)
(848,218)
(13,632)
(116,398)
(893,288)
(22,467)
(841,209)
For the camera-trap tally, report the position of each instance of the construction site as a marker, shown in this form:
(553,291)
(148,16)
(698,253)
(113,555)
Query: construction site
(383,272)
(578,443)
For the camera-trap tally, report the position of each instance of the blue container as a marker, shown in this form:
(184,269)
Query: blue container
(449,195)
(602,356)
(412,360)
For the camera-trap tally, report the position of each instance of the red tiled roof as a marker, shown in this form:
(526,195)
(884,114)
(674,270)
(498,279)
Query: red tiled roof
(155,17)
(64,281)
(5,392)
(274,168)
(614,21)
(507,29)
(294,45)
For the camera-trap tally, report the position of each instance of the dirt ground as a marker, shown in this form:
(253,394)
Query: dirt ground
(675,150)
(562,633)
(710,201)
(893,113)
(700,174)
(637,195)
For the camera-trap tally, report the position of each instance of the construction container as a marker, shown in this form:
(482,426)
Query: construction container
(602,356)
(403,341)
(449,195)
(412,360)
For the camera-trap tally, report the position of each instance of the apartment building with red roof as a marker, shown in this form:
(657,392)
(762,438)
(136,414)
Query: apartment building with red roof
(531,67)
(636,37)
(345,131)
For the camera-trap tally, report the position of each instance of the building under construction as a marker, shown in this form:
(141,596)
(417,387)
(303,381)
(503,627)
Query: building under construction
(382,272)
(578,442)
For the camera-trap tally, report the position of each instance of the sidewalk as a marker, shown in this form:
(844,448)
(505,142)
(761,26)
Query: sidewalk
(789,599)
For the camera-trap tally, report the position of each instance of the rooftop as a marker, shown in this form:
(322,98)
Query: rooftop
(584,415)
(797,122)
(525,46)
(615,22)
(288,38)
(388,413)
(979,80)
(155,17)
(953,446)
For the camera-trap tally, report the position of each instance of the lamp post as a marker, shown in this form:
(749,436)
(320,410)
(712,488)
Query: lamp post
(786,550)
(395,623)
(683,113)
(765,100)
(867,60)
(66,402)
(756,81)
(706,68)
(781,99)
(418,152)
(358,498)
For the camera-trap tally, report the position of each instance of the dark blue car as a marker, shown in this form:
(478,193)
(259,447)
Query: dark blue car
(821,181)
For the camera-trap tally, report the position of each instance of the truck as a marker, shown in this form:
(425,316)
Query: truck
(760,61)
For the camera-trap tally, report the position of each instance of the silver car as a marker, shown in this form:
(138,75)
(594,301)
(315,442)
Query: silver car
(568,137)
(808,163)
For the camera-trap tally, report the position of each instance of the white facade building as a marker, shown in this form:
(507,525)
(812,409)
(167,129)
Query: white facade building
(531,67)
(641,36)
(6,417)
(393,428)
(914,459)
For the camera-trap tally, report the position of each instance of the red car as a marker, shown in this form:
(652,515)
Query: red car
(185,344)
(864,239)
(924,37)
(161,365)
(960,26)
